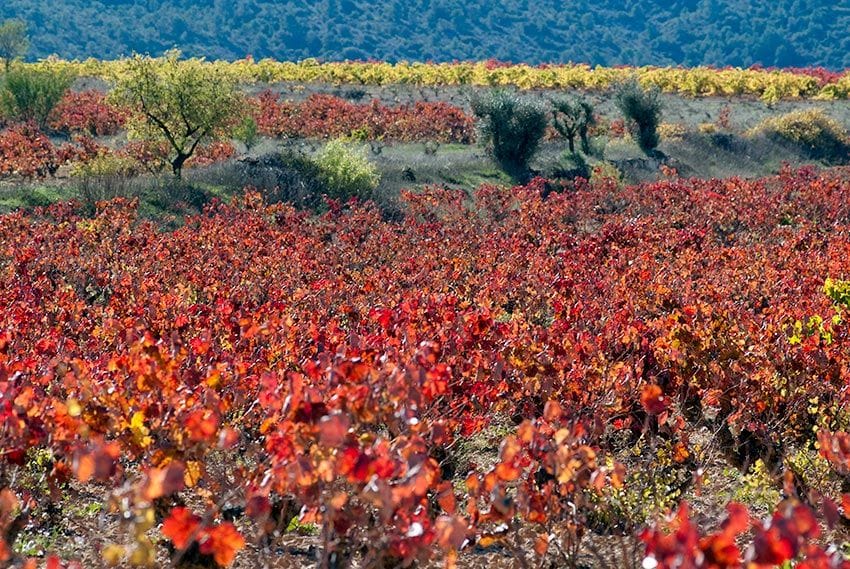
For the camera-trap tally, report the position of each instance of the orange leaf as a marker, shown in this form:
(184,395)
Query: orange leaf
(333,429)
(98,464)
(618,476)
(193,473)
(507,472)
(680,453)
(446,498)
(509,448)
(552,411)
(450,532)
(489,541)
(653,400)
(181,527)
(201,425)
(541,544)
(228,438)
(222,542)
(163,481)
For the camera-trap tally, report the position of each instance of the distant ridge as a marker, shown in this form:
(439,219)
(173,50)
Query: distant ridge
(784,33)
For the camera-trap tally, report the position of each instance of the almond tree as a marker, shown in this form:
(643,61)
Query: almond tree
(182,102)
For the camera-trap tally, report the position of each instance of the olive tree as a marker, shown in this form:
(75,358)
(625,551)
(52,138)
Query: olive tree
(573,117)
(642,110)
(182,102)
(511,128)
(13,41)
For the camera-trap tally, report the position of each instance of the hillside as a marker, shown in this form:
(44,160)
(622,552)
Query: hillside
(784,33)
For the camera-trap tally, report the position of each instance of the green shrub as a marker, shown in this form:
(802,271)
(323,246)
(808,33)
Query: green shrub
(345,172)
(31,94)
(641,109)
(573,117)
(821,137)
(106,165)
(511,128)
(247,132)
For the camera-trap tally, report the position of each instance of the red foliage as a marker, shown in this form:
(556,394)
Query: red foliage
(333,361)
(151,155)
(788,536)
(824,76)
(82,148)
(88,112)
(327,116)
(182,527)
(617,128)
(155,155)
(26,152)
(217,151)
(221,541)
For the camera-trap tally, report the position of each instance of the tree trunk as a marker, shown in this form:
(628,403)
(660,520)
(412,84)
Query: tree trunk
(177,165)
(572,142)
(585,141)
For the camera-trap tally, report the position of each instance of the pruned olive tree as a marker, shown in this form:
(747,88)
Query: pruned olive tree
(641,107)
(182,102)
(573,117)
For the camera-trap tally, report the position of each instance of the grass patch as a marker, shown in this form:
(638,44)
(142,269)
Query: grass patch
(30,196)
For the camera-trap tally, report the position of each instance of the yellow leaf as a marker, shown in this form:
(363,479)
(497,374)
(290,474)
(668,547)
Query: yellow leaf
(140,432)
(112,554)
(74,408)
(145,520)
(194,472)
(144,554)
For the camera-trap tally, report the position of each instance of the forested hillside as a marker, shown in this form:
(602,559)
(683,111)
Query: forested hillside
(608,32)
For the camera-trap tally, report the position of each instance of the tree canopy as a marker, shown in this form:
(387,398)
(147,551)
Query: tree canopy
(181,103)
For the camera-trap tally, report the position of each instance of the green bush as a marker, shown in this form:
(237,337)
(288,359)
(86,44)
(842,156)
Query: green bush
(572,165)
(31,94)
(106,165)
(345,172)
(641,109)
(247,132)
(820,137)
(511,128)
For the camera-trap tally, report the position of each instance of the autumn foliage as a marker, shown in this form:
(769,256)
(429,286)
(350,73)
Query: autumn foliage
(326,116)
(88,112)
(27,152)
(326,367)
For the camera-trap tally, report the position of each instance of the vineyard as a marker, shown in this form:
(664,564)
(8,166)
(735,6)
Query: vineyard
(770,85)
(550,375)
(374,325)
